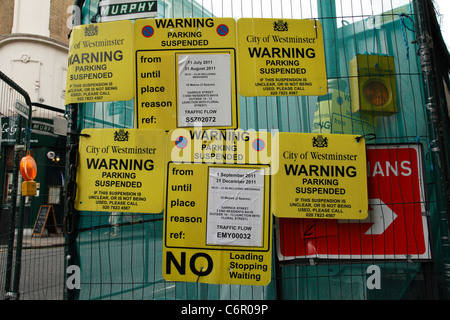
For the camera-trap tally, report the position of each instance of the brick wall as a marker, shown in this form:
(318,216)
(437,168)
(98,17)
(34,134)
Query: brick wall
(6,16)
(58,19)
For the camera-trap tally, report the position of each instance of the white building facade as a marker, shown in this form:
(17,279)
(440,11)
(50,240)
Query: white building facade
(34,47)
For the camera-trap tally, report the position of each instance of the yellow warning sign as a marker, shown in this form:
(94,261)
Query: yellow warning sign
(186,73)
(321,176)
(281,57)
(218,229)
(217,211)
(101,66)
(121,170)
(220,146)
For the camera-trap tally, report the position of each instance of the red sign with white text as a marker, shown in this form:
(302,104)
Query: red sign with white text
(396,227)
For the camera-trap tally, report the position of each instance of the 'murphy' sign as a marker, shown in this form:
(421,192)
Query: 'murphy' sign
(112,10)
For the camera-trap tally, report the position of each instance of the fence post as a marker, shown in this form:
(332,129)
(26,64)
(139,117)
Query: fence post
(435,125)
(70,221)
(70,217)
(15,293)
(327,16)
(12,215)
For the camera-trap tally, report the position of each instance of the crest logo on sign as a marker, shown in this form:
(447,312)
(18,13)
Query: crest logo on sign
(121,135)
(320,142)
(280,26)
(91,30)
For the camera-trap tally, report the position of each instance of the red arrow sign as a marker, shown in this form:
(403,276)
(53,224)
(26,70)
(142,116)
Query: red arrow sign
(396,227)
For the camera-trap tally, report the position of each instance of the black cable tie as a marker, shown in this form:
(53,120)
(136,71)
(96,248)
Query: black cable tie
(201,268)
(364,136)
(78,134)
(315,27)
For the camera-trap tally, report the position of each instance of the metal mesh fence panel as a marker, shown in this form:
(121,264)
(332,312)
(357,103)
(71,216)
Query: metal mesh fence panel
(32,264)
(121,256)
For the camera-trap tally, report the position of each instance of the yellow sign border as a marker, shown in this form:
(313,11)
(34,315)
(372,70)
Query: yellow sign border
(309,199)
(259,33)
(109,198)
(117,81)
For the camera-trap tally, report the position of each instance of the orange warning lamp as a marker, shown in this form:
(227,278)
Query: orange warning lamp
(376,93)
(373,84)
(28,169)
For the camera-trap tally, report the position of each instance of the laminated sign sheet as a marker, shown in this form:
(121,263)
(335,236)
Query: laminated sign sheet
(121,170)
(217,217)
(186,73)
(235,206)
